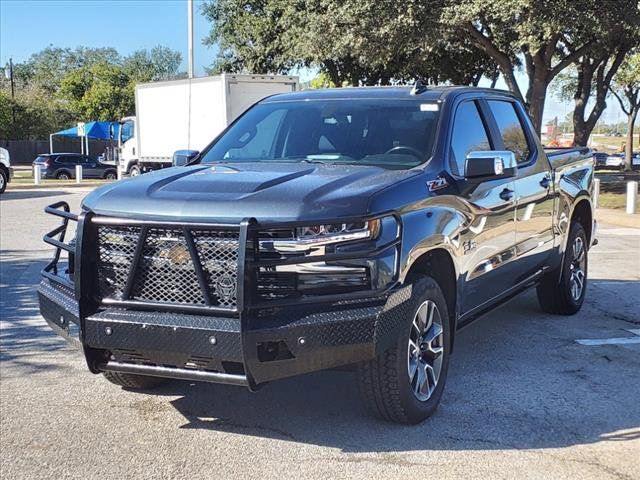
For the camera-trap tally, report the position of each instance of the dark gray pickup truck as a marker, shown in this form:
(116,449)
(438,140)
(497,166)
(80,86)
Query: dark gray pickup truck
(354,227)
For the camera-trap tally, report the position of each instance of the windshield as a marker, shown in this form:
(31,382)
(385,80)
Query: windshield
(386,133)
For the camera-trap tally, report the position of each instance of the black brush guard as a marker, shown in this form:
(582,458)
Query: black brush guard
(350,327)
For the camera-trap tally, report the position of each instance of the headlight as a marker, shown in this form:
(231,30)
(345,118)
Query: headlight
(314,236)
(351,268)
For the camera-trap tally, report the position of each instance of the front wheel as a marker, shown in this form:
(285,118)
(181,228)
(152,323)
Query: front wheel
(562,291)
(3,181)
(111,175)
(405,383)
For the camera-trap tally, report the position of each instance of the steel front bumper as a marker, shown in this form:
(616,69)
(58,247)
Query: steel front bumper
(249,350)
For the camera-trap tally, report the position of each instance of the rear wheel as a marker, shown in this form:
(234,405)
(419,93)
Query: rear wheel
(110,175)
(63,176)
(138,382)
(405,383)
(134,171)
(3,181)
(562,291)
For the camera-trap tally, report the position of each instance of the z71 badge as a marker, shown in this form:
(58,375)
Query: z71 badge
(437,184)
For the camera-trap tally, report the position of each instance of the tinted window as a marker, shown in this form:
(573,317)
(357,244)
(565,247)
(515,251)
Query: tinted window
(261,143)
(386,133)
(469,135)
(511,129)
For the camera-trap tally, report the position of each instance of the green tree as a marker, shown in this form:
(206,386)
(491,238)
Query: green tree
(543,36)
(99,92)
(161,63)
(353,42)
(626,89)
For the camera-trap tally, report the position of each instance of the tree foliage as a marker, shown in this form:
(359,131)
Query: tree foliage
(626,89)
(56,87)
(542,36)
(369,42)
(353,43)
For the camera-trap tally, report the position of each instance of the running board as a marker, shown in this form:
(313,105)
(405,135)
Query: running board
(177,373)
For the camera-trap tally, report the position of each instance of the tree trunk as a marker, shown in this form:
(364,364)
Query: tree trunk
(628,148)
(537,96)
(580,132)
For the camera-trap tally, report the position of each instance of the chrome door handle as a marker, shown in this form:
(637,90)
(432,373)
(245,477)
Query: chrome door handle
(545,182)
(506,194)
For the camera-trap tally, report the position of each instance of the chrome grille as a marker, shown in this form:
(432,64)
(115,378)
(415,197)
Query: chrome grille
(165,271)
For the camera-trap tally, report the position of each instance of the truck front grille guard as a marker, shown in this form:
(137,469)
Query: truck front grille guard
(134,294)
(50,271)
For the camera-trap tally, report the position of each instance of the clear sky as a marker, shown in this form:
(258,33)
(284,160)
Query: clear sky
(28,26)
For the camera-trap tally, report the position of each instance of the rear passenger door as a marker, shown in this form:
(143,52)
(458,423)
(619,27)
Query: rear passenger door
(533,186)
(489,239)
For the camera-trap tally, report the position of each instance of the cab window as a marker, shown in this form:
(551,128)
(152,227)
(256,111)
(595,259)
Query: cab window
(511,130)
(469,135)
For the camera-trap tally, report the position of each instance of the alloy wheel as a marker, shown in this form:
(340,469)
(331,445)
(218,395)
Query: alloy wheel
(425,350)
(577,269)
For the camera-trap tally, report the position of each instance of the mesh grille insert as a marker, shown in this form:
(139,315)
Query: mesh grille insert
(165,271)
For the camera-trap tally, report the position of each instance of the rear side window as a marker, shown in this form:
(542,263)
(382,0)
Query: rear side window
(469,135)
(511,131)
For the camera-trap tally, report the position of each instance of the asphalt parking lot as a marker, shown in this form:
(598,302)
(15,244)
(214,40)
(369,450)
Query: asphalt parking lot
(523,398)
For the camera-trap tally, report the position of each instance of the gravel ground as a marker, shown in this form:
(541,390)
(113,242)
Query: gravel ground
(523,399)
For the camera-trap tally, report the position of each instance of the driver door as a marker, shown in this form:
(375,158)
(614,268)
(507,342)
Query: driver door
(488,241)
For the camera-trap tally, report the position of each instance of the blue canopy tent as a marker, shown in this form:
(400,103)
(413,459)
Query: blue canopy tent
(99,130)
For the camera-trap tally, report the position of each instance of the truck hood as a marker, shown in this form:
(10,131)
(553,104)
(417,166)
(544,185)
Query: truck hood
(231,192)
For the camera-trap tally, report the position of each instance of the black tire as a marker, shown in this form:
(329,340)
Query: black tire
(137,382)
(134,171)
(385,383)
(4,178)
(63,176)
(556,292)
(110,175)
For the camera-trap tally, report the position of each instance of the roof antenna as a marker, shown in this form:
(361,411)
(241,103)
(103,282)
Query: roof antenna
(419,87)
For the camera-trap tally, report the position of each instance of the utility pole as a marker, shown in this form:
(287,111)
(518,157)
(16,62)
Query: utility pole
(8,73)
(190,39)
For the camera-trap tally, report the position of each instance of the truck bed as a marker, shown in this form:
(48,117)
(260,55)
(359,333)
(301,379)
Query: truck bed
(560,157)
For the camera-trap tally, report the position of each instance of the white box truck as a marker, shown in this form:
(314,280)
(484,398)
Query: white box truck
(187,115)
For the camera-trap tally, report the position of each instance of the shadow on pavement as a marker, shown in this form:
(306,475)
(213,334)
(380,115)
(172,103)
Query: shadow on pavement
(517,381)
(26,194)
(24,335)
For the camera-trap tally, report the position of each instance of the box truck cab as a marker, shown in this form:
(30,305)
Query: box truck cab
(187,114)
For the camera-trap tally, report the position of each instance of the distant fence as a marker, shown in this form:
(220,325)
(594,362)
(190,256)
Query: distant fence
(25,151)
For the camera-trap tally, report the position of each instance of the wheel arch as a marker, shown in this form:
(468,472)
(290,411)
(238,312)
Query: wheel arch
(62,170)
(582,212)
(438,263)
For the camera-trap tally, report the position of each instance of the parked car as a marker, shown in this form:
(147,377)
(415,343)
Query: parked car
(6,172)
(615,161)
(600,160)
(326,228)
(635,161)
(63,166)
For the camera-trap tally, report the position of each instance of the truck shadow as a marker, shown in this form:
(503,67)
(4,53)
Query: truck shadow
(24,335)
(517,380)
(26,194)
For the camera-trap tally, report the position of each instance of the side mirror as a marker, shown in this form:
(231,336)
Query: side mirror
(490,165)
(182,157)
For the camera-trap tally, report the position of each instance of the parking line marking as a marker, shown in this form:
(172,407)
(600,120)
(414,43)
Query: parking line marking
(613,341)
(609,341)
